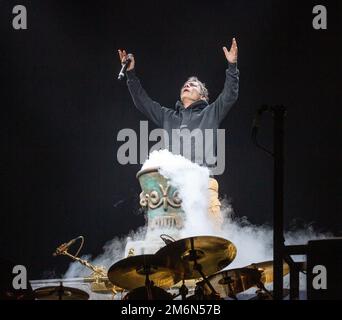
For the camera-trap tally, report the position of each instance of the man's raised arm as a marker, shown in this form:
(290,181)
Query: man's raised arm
(151,109)
(230,91)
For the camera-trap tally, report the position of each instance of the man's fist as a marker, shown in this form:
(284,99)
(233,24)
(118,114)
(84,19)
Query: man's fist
(123,56)
(232,54)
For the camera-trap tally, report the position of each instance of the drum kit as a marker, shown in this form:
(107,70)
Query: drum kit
(194,263)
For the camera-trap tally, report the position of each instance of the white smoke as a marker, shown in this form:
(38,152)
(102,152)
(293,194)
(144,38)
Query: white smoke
(192,182)
(113,251)
(254,243)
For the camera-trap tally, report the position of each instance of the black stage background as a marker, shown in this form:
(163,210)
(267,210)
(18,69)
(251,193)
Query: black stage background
(63,107)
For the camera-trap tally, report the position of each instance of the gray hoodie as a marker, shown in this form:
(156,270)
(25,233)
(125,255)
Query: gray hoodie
(195,122)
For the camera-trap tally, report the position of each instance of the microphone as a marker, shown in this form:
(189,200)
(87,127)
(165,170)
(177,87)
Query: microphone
(124,68)
(64,246)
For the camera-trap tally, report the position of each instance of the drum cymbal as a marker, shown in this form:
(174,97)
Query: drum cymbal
(130,273)
(148,293)
(60,293)
(228,283)
(266,269)
(211,253)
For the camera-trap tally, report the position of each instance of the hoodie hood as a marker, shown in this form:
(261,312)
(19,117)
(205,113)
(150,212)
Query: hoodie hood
(198,105)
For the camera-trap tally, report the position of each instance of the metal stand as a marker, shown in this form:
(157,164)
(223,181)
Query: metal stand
(198,267)
(280,251)
(278,202)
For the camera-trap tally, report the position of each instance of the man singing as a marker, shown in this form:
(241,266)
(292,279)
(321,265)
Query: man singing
(192,114)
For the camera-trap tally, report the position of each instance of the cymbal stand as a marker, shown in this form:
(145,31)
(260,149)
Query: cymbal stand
(262,291)
(231,290)
(148,283)
(60,291)
(183,290)
(198,267)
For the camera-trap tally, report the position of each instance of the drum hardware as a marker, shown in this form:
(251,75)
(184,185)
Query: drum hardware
(229,282)
(98,278)
(194,255)
(131,252)
(201,254)
(262,292)
(101,285)
(145,277)
(268,295)
(183,291)
(197,256)
(199,292)
(266,270)
(60,293)
(146,270)
(167,239)
(140,271)
(148,293)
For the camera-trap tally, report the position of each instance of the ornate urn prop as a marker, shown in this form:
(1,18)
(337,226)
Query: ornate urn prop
(160,200)
(163,208)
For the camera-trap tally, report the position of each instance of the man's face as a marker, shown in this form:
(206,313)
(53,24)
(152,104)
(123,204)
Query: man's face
(191,91)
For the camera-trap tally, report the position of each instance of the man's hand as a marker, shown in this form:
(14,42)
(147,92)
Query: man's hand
(232,54)
(123,57)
